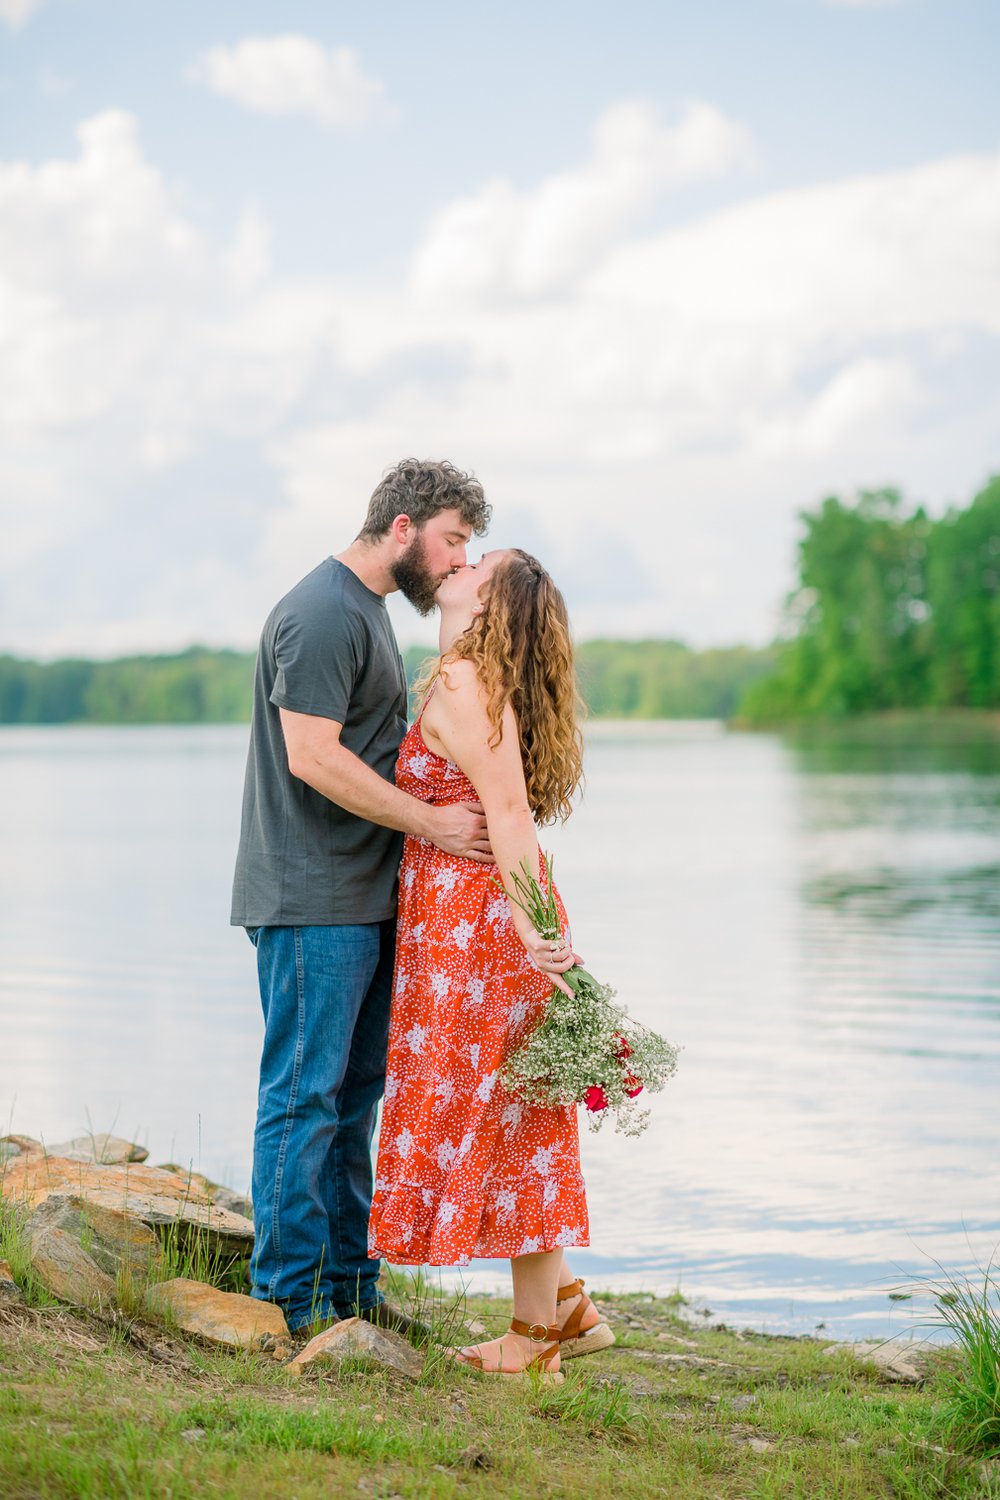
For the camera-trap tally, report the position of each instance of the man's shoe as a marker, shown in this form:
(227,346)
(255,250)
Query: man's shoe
(384,1315)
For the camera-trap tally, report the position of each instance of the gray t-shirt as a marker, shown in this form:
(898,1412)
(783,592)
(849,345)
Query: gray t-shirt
(328,649)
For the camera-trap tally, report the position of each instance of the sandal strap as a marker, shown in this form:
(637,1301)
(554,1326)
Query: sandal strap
(571,1289)
(538,1333)
(573,1328)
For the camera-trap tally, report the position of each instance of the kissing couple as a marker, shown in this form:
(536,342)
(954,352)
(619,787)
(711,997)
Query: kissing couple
(416,980)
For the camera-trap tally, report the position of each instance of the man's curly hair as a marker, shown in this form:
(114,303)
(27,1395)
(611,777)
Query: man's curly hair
(420,489)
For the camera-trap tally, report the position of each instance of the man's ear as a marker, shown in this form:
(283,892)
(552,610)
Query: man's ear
(402,530)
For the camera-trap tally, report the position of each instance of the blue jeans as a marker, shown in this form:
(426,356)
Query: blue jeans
(326,993)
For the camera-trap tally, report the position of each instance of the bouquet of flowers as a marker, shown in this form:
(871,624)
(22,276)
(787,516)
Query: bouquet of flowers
(585,1050)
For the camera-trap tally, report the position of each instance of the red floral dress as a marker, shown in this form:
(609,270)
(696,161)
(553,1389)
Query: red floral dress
(464,1168)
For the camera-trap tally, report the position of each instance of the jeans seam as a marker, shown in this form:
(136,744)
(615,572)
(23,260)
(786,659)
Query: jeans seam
(293,1092)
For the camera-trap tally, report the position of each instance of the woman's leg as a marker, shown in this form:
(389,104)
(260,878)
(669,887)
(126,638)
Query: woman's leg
(535,1278)
(568,1305)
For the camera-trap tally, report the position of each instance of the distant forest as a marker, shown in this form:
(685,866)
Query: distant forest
(892,610)
(619,679)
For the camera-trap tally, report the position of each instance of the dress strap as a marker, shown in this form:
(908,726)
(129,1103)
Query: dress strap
(427,699)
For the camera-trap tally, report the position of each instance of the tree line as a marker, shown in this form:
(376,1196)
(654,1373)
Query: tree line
(618,679)
(893,610)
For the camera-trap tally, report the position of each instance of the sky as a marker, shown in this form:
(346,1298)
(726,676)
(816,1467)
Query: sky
(662,275)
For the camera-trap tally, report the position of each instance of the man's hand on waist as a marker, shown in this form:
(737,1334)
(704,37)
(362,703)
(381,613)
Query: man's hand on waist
(460,829)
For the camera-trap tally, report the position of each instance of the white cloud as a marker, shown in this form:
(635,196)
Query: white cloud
(188,429)
(81,243)
(249,257)
(17,12)
(500,241)
(864,396)
(289,75)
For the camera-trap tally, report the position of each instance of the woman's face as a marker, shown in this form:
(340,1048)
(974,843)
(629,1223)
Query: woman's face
(459,593)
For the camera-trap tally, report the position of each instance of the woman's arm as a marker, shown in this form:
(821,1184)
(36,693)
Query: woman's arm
(458,719)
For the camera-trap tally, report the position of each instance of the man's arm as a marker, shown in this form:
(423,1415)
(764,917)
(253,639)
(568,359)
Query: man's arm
(316,756)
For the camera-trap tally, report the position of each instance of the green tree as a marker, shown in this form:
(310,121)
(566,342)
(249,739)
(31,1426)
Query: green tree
(963,592)
(859,618)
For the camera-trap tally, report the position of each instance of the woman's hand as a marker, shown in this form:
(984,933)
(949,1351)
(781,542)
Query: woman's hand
(551,956)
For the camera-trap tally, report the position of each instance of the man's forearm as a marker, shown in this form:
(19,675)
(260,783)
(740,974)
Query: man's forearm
(341,776)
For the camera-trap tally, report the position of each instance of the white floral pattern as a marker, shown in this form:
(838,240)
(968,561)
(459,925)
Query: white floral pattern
(464,1170)
(462,933)
(415,1038)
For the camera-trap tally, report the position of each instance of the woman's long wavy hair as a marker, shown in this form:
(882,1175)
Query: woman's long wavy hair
(520,645)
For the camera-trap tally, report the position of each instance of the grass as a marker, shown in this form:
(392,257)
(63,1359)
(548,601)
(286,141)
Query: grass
(971,1410)
(16,1250)
(88,1409)
(102,1404)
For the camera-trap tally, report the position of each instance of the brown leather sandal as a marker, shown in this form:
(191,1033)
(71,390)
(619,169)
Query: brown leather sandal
(539,1365)
(574,1341)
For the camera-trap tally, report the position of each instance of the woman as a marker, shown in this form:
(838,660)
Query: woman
(464,1169)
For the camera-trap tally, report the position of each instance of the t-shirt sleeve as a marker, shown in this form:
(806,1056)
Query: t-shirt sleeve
(317,661)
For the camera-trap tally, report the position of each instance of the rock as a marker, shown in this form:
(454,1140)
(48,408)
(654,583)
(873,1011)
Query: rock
(19,1145)
(113,1240)
(65,1268)
(10,1292)
(106,1149)
(354,1338)
(740,1403)
(902,1362)
(226,1318)
(203,1186)
(759,1445)
(222,1197)
(158,1197)
(233,1202)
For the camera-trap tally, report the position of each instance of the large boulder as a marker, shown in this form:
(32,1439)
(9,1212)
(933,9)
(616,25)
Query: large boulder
(356,1339)
(225,1318)
(159,1198)
(98,1148)
(64,1267)
(222,1197)
(114,1241)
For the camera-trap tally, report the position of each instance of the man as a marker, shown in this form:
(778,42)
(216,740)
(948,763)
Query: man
(315,882)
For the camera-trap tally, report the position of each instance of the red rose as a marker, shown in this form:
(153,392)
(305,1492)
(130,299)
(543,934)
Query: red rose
(595,1098)
(622,1048)
(632,1085)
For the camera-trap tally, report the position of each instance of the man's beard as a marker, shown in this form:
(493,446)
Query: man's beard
(413,577)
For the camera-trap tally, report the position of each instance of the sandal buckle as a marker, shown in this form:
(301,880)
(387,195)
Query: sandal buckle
(538,1333)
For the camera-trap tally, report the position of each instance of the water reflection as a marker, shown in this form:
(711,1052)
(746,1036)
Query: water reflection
(817,924)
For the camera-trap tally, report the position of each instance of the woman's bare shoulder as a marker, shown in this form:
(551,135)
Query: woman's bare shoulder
(461,679)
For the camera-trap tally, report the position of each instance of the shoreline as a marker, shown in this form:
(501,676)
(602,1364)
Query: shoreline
(131,1362)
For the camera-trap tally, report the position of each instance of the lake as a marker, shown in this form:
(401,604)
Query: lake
(817,924)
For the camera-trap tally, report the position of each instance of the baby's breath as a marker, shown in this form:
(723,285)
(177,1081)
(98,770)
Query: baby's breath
(585,1049)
